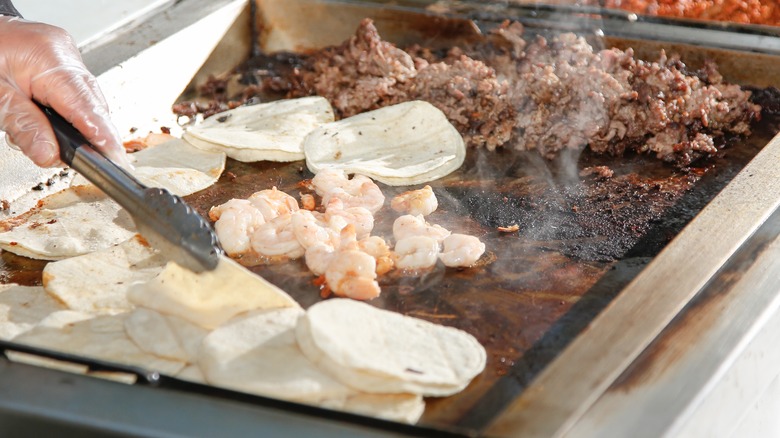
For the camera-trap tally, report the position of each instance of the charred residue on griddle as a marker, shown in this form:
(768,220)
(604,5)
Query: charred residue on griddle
(597,219)
(768,98)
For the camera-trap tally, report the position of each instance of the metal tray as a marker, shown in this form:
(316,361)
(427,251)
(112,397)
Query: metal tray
(549,372)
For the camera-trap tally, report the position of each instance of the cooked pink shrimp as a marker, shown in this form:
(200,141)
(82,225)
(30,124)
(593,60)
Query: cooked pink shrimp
(326,180)
(408,226)
(360,191)
(337,217)
(236,220)
(308,202)
(461,250)
(414,202)
(310,229)
(273,203)
(320,254)
(352,274)
(277,239)
(416,253)
(377,248)
(318,257)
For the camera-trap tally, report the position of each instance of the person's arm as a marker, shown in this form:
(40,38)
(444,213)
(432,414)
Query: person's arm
(42,63)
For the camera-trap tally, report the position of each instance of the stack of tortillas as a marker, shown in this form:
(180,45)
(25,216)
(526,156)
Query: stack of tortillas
(404,144)
(271,131)
(231,328)
(375,350)
(81,219)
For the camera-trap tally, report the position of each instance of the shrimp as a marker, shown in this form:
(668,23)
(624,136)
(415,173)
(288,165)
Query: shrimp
(352,274)
(461,250)
(320,254)
(360,191)
(308,202)
(414,202)
(236,220)
(318,257)
(273,203)
(377,248)
(277,239)
(408,226)
(359,217)
(310,230)
(367,195)
(416,253)
(326,180)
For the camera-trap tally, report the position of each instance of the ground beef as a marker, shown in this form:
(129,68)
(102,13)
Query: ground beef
(569,95)
(366,73)
(545,95)
(362,74)
(471,97)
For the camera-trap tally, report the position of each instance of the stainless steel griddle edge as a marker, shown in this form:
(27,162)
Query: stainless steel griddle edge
(551,407)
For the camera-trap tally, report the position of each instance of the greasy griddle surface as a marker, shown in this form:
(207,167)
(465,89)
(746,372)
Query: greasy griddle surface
(580,240)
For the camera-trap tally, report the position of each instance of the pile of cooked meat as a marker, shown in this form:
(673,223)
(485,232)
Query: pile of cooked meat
(528,93)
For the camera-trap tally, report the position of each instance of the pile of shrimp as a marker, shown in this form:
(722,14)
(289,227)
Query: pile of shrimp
(335,240)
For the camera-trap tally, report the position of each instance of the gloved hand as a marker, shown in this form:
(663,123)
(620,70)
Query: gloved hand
(41,62)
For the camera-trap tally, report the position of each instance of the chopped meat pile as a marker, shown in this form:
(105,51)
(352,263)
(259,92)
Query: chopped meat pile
(544,95)
(366,73)
(737,11)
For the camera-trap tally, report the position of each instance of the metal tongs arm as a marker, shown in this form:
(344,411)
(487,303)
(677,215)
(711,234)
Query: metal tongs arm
(163,219)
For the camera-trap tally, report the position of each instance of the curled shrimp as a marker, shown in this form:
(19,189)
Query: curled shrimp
(461,250)
(416,253)
(352,274)
(377,248)
(409,226)
(273,203)
(277,239)
(310,230)
(414,202)
(360,191)
(360,218)
(318,257)
(327,180)
(236,220)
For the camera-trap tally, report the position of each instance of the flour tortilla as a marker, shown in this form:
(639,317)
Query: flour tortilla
(210,298)
(405,144)
(378,351)
(258,353)
(72,222)
(404,408)
(174,165)
(22,307)
(98,282)
(62,318)
(271,131)
(165,336)
(101,338)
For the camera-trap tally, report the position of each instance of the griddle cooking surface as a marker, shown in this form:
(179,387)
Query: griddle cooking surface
(580,241)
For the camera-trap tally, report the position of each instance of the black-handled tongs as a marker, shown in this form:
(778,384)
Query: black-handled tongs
(162,218)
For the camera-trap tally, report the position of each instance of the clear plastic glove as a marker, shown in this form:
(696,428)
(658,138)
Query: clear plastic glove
(41,62)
